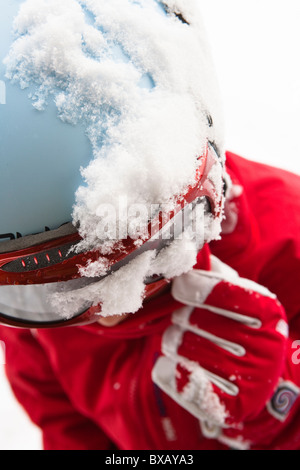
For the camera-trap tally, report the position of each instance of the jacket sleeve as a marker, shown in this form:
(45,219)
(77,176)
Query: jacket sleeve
(36,388)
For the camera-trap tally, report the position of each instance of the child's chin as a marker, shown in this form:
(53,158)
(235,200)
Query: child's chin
(112,321)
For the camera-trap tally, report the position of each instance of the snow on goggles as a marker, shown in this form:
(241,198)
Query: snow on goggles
(34,266)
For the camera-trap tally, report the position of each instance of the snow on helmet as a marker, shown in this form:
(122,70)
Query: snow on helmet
(102,104)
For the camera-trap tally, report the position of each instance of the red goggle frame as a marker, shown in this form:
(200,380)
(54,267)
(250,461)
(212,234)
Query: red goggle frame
(52,260)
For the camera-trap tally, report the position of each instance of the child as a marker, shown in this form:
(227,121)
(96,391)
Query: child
(139,326)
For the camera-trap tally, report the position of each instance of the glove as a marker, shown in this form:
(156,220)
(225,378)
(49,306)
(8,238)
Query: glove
(225,350)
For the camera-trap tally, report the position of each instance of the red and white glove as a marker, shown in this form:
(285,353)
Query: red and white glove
(224,353)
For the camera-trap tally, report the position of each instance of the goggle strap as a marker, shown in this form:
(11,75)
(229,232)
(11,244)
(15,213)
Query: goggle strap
(28,241)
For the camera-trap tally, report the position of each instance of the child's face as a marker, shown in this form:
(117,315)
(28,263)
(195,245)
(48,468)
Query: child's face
(113,320)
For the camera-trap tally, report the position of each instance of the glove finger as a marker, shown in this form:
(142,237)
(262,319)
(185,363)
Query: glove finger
(236,320)
(251,373)
(194,287)
(197,396)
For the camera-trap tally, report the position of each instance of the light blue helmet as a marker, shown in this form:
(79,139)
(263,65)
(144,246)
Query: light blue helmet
(40,155)
(41,151)
(55,117)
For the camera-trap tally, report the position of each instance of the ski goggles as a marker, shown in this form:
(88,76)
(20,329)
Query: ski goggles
(34,267)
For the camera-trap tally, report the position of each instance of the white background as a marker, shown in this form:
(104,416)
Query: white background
(256,46)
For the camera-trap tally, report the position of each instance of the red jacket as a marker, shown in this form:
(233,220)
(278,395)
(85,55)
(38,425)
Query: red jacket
(90,387)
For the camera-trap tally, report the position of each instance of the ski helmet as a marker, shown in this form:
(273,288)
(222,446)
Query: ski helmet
(99,101)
